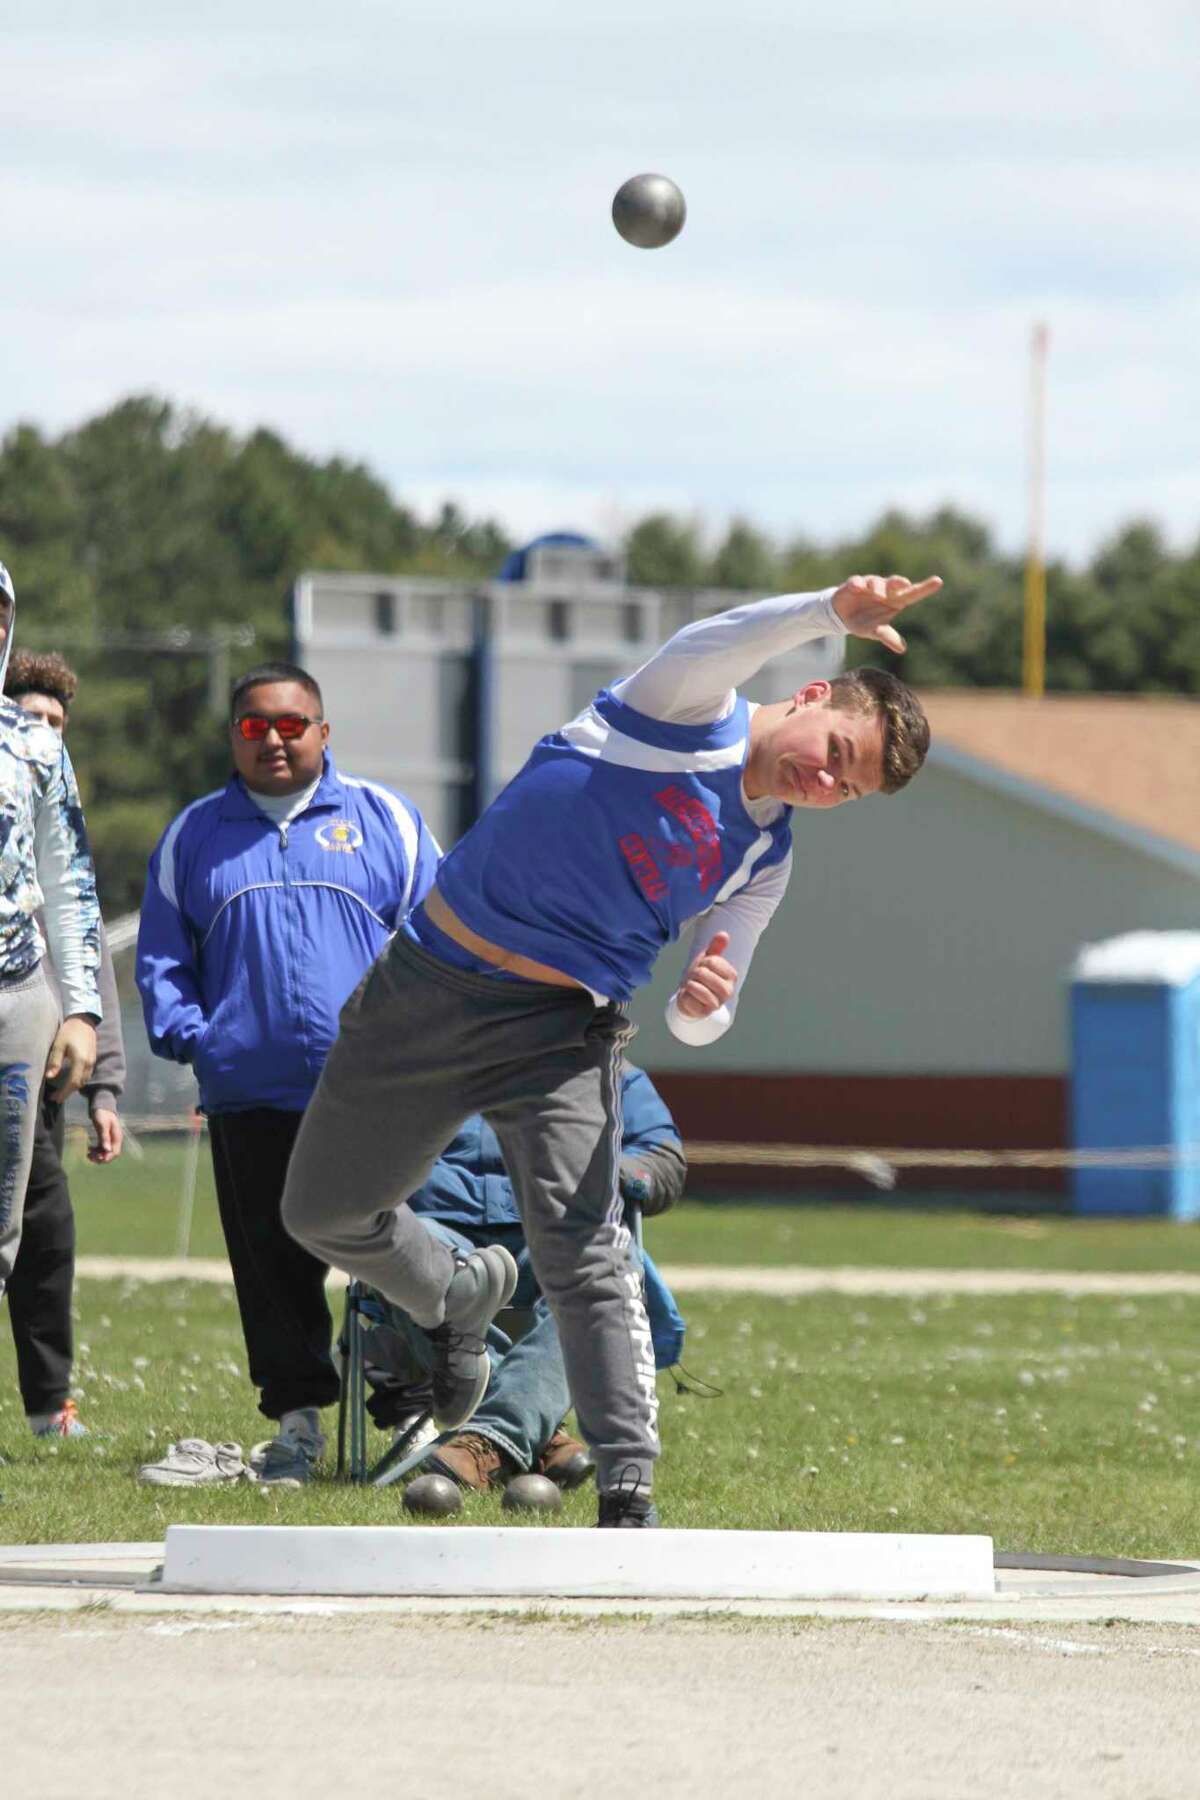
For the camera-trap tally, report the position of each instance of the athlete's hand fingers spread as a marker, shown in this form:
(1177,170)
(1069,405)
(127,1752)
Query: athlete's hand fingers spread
(867,604)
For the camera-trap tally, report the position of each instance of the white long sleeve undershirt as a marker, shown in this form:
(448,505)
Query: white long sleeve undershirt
(693,680)
(695,676)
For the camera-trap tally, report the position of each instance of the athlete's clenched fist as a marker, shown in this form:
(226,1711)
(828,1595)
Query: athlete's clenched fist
(709,982)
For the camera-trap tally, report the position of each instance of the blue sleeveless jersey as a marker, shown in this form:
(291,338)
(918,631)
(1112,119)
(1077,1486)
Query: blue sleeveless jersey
(618,831)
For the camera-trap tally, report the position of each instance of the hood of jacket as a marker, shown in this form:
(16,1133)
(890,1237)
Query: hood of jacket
(8,600)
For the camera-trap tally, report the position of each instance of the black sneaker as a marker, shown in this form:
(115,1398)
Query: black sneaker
(394,1405)
(482,1286)
(629,1507)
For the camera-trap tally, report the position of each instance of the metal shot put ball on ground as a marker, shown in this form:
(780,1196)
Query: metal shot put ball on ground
(433,1496)
(531,1493)
(436,1496)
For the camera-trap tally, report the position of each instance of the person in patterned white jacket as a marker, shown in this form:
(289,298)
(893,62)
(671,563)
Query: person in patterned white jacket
(265,904)
(42,1280)
(45,868)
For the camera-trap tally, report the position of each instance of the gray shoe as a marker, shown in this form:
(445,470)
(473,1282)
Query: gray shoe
(193,1462)
(287,1460)
(482,1286)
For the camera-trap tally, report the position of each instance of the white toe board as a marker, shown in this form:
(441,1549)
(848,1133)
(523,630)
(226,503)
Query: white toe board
(545,1563)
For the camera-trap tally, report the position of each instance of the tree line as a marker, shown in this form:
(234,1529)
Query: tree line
(147,544)
(1128,622)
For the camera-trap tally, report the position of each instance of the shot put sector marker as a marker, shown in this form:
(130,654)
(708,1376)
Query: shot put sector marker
(543,1562)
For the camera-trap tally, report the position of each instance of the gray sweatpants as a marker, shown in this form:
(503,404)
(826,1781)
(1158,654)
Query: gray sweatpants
(424,1045)
(28,1022)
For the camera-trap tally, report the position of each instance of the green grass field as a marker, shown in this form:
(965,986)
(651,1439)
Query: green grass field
(1050,1423)
(1053,1424)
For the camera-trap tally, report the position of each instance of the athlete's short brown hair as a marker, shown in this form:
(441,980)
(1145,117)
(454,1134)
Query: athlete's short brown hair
(901,715)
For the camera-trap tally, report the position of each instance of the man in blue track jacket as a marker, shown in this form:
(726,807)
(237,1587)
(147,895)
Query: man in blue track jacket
(266,903)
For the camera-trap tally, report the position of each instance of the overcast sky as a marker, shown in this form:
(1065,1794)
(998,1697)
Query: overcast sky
(384,231)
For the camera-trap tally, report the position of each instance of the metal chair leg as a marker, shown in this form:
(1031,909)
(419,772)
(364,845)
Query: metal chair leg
(358,1399)
(343,1359)
(403,1455)
(352,1402)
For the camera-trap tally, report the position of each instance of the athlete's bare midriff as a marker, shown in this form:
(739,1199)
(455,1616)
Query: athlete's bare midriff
(448,921)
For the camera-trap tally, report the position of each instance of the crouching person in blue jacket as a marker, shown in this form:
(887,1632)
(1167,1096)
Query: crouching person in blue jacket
(468,1202)
(265,905)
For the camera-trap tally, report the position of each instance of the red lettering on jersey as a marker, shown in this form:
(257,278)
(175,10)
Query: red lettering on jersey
(701,827)
(645,870)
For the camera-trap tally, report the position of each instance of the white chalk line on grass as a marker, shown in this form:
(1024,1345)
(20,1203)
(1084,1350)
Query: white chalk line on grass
(782,1283)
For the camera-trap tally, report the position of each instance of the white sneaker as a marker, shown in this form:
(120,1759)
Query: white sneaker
(193,1462)
(413,1433)
(411,1439)
(287,1460)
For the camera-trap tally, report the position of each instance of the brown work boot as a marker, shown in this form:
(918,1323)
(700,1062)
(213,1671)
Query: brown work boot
(566,1461)
(472,1461)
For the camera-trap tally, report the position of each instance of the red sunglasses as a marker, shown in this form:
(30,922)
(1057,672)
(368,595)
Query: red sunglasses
(255,726)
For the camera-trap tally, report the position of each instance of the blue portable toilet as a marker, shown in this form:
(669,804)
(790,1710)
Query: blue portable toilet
(1135,1072)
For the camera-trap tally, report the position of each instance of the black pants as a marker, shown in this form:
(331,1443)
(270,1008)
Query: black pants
(280,1287)
(43,1277)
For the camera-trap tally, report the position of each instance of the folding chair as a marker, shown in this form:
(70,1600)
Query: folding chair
(363,1313)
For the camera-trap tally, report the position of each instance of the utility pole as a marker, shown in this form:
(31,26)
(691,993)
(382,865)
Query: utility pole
(1034,656)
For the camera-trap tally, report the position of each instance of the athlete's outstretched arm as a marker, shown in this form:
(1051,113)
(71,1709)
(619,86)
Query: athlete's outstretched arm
(693,677)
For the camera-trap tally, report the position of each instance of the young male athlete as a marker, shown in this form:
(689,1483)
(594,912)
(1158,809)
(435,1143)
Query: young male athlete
(668,802)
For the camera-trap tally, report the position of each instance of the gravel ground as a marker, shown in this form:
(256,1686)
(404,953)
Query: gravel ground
(115,1706)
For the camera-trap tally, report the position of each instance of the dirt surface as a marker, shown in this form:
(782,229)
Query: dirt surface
(113,1706)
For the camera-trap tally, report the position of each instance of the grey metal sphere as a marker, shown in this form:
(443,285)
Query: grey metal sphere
(531,1493)
(648,211)
(435,1496)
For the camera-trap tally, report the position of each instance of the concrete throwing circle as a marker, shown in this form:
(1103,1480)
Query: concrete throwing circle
(1032,1588)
